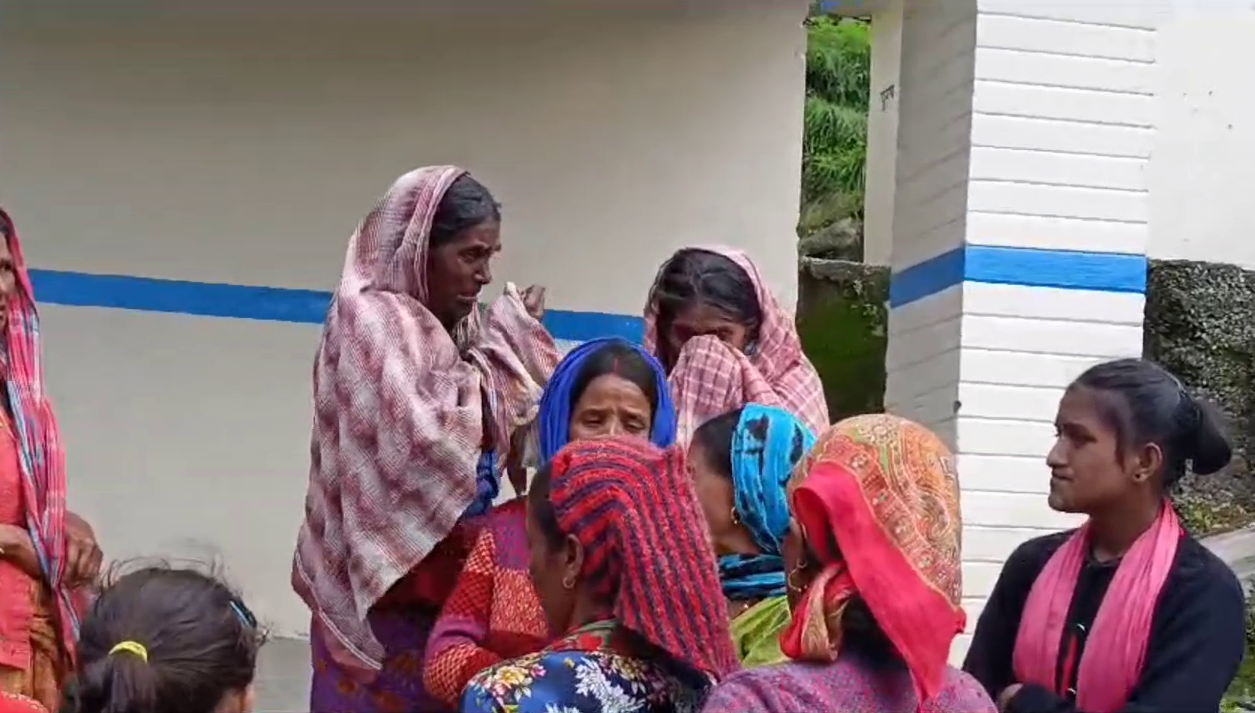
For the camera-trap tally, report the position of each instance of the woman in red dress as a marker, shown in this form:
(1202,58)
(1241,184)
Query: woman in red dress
(46,553)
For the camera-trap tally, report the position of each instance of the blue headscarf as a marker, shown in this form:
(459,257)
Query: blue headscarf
(767,444)
(557,401)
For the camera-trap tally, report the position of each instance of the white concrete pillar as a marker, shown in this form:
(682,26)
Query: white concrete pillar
(882,134)
(1019,238)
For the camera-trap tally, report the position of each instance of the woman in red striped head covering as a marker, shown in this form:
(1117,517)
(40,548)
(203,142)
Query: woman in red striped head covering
(622,561)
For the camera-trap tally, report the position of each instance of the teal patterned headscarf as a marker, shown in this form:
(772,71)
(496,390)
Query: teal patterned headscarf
(767,444)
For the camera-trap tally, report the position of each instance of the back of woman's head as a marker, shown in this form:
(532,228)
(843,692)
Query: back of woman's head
(715,438)
(166,640)
(1145,404)
(629,508)
(694,276)
(623,360)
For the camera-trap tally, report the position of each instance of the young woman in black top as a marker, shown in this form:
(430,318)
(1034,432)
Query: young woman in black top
(1129,613)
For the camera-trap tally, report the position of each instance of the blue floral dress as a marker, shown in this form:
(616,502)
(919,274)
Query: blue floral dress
(592,670)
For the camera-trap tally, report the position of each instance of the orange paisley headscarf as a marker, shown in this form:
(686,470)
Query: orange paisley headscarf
(877,500)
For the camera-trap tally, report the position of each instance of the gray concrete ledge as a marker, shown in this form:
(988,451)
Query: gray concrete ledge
(1237,549)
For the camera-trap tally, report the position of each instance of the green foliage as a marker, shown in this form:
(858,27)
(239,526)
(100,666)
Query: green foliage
(1205,516)
(1243,687)
(834,144)
(841,318)
(838,61)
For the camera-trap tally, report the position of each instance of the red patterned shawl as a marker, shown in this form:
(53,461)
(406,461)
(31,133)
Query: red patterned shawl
(399,415)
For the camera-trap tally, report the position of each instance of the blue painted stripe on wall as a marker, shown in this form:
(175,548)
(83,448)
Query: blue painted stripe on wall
(1029,267)
(927,278)
(274,304)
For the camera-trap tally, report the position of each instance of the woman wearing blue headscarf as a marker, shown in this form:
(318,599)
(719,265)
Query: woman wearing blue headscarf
(741,463)
(606,387)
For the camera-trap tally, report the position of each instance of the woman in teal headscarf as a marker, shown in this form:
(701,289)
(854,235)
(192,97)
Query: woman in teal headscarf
(741,463)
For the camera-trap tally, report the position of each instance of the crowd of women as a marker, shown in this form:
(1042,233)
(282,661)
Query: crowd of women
(694,536)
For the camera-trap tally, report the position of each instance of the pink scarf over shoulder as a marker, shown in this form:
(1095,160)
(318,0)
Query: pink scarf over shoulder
(399,415)
(1115,650)
(710,378)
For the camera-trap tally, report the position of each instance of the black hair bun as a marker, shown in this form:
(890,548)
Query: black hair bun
(1209,450)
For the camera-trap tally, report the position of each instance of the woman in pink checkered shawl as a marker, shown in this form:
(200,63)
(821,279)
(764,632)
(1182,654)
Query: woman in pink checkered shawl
(726,342)
(417,398)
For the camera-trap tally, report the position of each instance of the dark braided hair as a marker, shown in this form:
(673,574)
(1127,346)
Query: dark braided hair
(694,276)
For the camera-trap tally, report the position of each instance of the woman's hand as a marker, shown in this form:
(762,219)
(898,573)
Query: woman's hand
(16,547)
(534,301)
(83,555)
(1004,698)
(515,470)
(12,540)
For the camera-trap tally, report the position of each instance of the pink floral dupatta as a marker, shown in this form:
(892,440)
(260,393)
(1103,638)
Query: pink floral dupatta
(710,378)
(399,415)
(1115,651)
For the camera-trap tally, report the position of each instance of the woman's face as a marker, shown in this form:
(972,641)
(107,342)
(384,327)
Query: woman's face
(611,406)
(1087,471)
(458,270)
(554,574)
(718,497)
(700,319)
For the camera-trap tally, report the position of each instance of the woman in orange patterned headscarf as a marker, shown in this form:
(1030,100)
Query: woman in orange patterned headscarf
(874,581)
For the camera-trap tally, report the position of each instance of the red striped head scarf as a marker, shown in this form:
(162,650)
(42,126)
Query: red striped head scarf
(877,500)
(39,440)
(633,508)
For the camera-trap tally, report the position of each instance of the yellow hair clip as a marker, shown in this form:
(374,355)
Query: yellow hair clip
(130,647)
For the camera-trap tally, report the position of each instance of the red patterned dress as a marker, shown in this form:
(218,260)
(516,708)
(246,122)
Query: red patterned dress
(493,613)
(33,660)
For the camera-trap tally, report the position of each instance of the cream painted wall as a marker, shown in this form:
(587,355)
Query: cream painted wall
(244,150)
(1203,165)
(1199,136)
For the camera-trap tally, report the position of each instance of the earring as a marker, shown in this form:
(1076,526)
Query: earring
(788,580)
(568,582)
(736,519)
